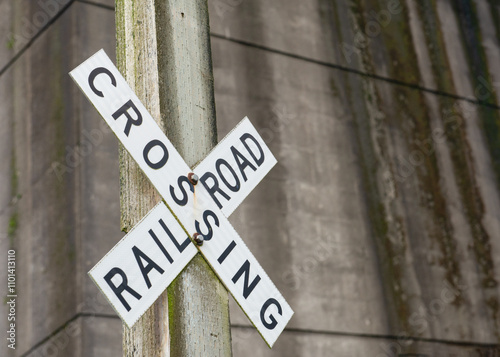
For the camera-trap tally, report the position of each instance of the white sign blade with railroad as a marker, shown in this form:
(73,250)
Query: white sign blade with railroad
(217,174)
(145,261)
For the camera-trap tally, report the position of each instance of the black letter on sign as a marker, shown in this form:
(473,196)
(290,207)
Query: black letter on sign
(148,148)
(228,250)
(162,248)
(236,186)
(247,289)
(124,110)
(118,290)
(215,187)
(270,325)
(241,164)
(180,247)
(145,269)
(94,74)
(184,200)
(243,139)
(210,233)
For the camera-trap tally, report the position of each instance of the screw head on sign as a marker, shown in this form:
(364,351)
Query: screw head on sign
(193,178)
(198,239)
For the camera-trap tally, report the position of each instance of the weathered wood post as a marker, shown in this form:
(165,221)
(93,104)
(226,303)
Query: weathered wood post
(163,51)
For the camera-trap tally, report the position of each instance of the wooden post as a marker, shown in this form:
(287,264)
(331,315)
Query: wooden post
(163,50)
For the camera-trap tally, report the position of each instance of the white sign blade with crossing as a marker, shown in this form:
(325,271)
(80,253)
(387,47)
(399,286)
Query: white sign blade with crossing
(143,264)
(194,206)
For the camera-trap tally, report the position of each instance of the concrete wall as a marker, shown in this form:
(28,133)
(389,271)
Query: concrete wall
(60,195)
(380,222)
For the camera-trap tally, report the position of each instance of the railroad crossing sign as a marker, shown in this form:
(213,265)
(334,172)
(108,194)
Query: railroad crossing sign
(140,267)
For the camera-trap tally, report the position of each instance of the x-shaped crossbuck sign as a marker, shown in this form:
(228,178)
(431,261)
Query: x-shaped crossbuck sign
(142,265)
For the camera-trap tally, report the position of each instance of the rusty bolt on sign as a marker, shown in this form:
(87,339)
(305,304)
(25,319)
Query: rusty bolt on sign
(193,178)
(198,239)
